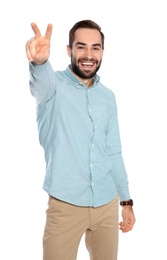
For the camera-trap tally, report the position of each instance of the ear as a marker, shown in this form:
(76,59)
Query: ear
(68,50)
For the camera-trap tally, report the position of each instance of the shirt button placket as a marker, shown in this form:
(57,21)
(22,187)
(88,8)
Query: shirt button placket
(90,111)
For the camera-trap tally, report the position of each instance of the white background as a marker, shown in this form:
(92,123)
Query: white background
(135,68)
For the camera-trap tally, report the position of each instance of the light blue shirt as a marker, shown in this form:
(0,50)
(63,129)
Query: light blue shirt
(79,132)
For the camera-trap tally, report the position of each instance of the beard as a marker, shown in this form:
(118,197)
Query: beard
(84,74)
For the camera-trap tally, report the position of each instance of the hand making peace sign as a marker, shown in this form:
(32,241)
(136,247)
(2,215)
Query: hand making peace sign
(38,47)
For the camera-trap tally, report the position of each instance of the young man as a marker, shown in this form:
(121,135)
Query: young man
(78,129)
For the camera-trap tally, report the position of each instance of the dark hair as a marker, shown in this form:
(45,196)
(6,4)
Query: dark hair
(84,24)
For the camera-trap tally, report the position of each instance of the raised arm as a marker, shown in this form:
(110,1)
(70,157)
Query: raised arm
(38,47)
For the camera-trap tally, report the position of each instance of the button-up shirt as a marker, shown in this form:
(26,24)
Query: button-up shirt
(79,132)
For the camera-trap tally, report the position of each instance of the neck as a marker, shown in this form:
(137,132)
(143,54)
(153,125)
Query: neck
(87,82)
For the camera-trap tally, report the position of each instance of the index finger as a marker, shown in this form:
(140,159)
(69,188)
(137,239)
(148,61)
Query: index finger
(36,30)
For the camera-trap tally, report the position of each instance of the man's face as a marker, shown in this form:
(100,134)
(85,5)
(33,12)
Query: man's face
(86,53)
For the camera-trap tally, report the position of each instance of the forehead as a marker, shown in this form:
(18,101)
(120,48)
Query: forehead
(87,36)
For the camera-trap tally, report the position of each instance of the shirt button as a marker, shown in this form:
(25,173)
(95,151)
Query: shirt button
(92,183)
(90,110)
(93,145)
(91,165)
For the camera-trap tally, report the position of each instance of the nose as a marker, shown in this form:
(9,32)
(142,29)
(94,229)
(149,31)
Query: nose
(88,53)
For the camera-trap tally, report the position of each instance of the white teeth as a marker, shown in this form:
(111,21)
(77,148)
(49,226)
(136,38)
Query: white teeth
(88,63)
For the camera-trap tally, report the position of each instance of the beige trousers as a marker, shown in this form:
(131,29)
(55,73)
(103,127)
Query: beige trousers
(66,223)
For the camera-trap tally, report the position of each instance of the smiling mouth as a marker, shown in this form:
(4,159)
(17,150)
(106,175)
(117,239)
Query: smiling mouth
(87,64)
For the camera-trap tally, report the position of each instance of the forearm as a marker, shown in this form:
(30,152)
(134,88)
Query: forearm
(120,177)
(114,151)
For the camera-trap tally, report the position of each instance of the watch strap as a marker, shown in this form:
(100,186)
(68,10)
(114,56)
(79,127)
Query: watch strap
(126,203)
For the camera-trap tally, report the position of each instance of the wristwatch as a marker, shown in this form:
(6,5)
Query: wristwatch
(126,203)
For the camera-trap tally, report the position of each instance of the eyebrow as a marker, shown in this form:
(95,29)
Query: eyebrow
(94,44)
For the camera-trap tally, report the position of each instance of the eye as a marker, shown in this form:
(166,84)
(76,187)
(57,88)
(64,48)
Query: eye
(96,48)
(80,47)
